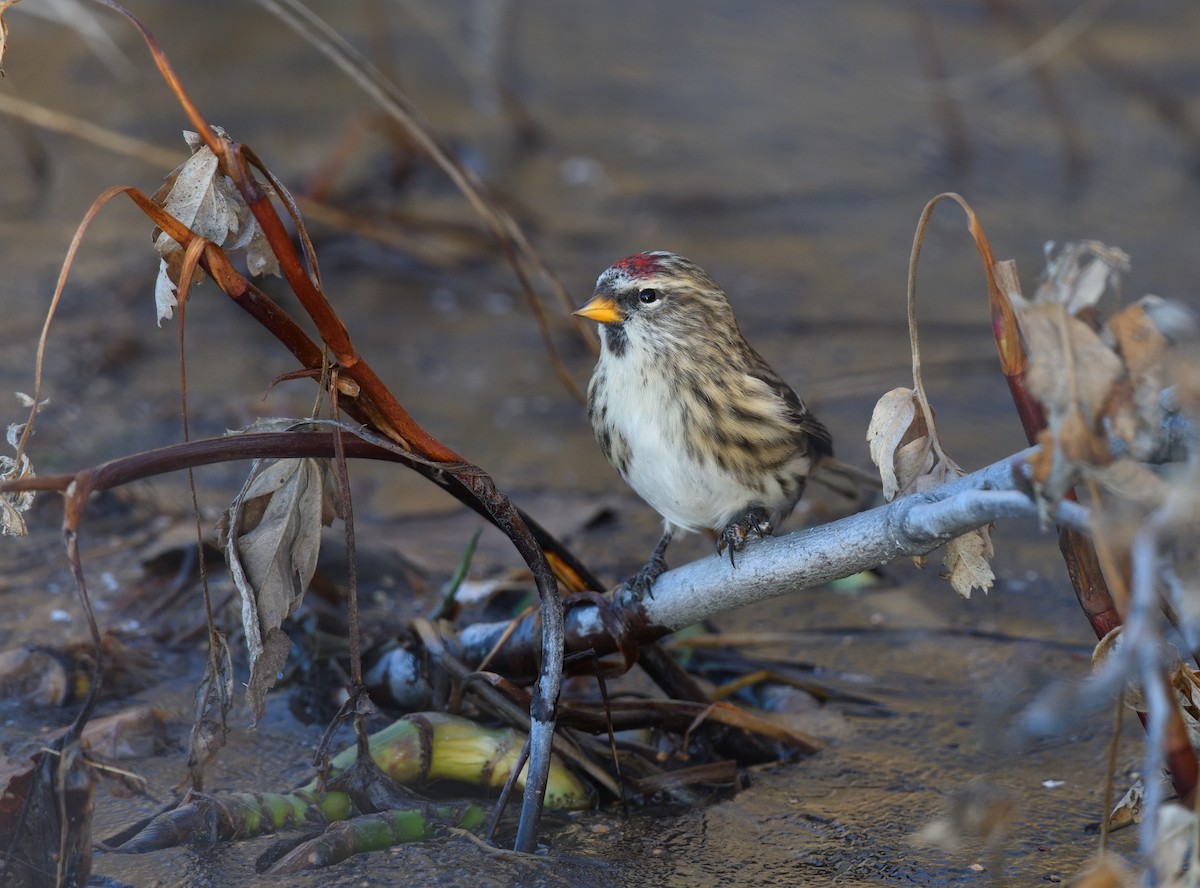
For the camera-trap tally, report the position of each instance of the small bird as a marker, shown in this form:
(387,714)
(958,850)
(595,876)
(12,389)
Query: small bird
(691,416)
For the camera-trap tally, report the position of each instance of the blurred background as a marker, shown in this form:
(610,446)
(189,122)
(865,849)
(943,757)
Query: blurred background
(786,147)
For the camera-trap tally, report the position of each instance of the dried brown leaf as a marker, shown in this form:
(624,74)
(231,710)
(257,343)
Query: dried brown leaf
(4,5)
(1072,373)
(909,462)
(1130,809)
(214,697)
(46,814)
(200,196)
(897,440)
(272,540)
(966,561)
(265,668)
(914,465)
(1068,362)
(1186,683)
(966,557)
(736,717)
(1136,415)
(1078,275)
(13,468)
(1107,647)
(1138,339)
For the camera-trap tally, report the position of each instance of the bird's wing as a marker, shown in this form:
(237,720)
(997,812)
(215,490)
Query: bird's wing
(806,424)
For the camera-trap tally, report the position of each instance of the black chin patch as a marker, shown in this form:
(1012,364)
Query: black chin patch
(615,339)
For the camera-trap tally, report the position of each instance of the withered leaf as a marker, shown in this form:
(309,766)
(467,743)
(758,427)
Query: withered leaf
(271,543)
(914,465)
(200,196)
(1186,682)
(1077,275)
(967,564)
(214,697)
(1068,362)
(903,447)
(13,468)
(1072,374)
(1135,416)
(1130,809)
(892,423)
(46,812)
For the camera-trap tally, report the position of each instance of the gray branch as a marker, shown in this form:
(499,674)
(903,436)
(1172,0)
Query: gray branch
(914,525)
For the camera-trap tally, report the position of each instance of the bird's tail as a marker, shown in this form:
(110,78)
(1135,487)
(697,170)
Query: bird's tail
(844,478)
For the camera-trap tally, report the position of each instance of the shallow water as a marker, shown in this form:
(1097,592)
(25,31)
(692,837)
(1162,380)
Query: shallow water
(789,149)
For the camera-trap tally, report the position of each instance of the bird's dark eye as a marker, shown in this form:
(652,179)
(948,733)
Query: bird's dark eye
(648,296)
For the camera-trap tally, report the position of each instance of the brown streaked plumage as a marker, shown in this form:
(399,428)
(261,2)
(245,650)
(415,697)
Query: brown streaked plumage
(688,413)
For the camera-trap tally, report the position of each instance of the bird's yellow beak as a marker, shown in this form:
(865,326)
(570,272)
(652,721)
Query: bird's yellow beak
(601,308)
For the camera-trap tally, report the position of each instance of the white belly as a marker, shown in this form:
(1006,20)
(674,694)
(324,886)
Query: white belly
(690,492)
(689,496)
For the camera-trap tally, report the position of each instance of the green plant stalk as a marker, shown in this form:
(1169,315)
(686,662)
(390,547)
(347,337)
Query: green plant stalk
(376,832)
(458,749)
(415,750)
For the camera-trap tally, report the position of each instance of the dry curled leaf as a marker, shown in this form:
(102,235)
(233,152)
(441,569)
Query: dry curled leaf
(1072,372)
(967,561)
(271,539)
(910,460)
(1136,414)
(1069,365)
(1102,385)
(1184,680)
(1079,274)
(204,199)
(13,468)
(214,697)
(895,424)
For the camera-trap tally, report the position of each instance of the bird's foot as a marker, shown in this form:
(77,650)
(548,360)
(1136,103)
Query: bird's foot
(755,524)
(639,585)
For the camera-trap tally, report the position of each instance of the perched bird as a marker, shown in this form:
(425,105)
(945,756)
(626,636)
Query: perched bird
(693,418)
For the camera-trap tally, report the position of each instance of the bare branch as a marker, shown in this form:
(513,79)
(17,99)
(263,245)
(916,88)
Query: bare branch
(914,525)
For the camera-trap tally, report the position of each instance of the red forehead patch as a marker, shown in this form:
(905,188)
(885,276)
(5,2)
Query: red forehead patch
(641,265)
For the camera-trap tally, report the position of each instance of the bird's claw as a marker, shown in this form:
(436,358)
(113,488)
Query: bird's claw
(755,524)
(641,584)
